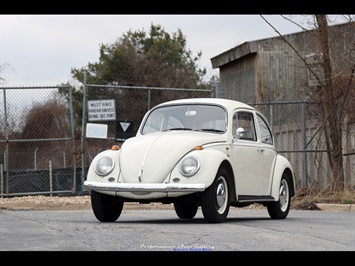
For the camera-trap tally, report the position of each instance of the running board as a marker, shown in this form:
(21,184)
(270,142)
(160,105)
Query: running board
(242,198)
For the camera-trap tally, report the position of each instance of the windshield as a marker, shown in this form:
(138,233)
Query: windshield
(197,117)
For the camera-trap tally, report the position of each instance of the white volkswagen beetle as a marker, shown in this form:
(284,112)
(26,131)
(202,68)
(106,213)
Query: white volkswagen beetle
(203,152)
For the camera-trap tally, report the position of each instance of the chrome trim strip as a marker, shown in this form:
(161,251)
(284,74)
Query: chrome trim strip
(141,187)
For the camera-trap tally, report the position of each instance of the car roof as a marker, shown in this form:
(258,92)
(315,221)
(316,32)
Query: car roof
(228,103)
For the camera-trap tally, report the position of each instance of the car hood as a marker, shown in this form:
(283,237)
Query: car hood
(151,157)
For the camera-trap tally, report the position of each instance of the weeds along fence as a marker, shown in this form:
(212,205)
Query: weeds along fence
(47,141)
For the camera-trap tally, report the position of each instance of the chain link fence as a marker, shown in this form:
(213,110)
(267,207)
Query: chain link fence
(46,147)
(43,143)
(300,137)
(36,141)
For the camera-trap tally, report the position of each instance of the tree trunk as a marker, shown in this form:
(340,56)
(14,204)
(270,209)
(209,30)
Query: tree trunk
(328,94)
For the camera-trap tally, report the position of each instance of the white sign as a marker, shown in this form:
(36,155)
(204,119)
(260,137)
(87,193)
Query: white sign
(96,131)
(99,110)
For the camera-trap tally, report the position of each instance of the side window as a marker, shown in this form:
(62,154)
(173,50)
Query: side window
(266,135)
(243,126)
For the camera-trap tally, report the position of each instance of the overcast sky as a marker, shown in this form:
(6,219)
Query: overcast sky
(40,50)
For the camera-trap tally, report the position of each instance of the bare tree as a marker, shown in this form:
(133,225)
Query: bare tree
(328,97)
(331,95)
(3,68)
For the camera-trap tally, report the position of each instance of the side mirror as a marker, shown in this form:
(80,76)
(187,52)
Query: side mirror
(240,132)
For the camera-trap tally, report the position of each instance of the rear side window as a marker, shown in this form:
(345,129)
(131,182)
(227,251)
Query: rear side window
(266,135)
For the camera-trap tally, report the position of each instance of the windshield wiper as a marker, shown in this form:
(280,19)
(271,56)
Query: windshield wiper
(210,129)
(178,128)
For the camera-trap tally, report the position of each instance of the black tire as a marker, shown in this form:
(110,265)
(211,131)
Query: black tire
(185,210)
(106,208)
(215,200)
(280,209)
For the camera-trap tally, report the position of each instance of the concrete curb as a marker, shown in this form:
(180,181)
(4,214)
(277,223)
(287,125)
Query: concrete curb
(336,207)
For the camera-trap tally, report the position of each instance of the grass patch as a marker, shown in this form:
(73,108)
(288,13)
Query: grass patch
(307,198)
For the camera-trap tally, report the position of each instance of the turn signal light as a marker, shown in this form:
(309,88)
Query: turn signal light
(115,148)
(198,148)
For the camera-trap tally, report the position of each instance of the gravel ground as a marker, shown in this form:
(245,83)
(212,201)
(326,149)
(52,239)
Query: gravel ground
(84,203)
(64,203)
(71,203)
(45,202)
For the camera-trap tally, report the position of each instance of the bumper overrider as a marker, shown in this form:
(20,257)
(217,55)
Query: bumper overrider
(144,187)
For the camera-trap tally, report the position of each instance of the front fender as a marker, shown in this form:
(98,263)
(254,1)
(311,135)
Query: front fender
(92,176)
(210,162)
(282,165)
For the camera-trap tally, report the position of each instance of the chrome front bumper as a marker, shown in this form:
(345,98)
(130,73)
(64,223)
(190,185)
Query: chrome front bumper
(144,187)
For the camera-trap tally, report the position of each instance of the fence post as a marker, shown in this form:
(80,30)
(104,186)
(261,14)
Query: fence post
(149,99)
(35,158)
(74,173)
(2,179)
(305,166)
(271,117)
(83,131)
(74,154)
(50,178)
(6,153)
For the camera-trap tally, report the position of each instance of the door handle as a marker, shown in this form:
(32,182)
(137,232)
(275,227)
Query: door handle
(261,150)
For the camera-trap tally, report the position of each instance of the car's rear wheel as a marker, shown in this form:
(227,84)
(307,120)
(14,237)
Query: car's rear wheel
(215,200)
(280,209)
(185,210)
(106,208)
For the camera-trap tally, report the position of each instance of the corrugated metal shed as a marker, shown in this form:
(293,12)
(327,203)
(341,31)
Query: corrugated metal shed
(269,70)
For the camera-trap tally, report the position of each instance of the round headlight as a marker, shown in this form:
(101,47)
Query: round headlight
(189,166)
(104,166)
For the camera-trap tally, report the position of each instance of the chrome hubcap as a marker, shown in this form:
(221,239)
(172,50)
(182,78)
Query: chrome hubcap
(221,194)
(283,195)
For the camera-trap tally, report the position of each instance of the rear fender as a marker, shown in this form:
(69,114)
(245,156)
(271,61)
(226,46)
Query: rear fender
(282,166)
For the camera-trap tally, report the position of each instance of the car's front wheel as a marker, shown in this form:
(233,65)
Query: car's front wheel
(280,209)
(215,200)
(106,208)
